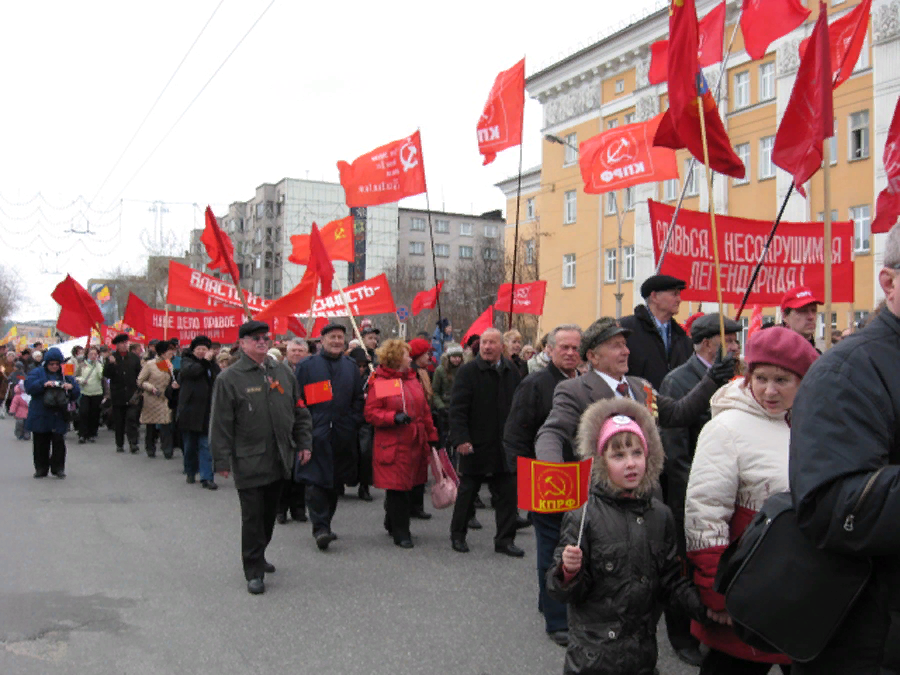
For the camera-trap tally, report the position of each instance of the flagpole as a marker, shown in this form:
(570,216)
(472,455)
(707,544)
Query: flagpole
(584,510)
(619,218)
(166,324)
(434,269)
(826,176)
(512,290)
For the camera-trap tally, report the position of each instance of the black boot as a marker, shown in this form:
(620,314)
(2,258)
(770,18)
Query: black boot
(363,493)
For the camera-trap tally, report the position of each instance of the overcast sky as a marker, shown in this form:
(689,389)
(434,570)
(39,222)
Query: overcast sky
(312,84)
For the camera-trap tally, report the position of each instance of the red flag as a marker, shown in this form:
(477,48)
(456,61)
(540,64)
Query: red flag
(296,326)
(317,392)
(320,323)
(385,388)
(529,298)
(887,208)
(319,260)
(764,21)
(552,487)
(426,299)
(482,323)
(500,124)
(711,42)
(846,37)
(78,312)
(625,156)
(337,237)
(680,126)
(136,313)
(809,117)
(755,321)
(297,301)
(218,247)
(387,174)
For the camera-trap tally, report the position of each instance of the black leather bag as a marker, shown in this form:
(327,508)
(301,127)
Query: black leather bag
(56,399)
(782,592)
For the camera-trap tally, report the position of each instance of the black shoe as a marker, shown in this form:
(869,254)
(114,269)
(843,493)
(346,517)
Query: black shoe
(60,474)
(387,524)
(169,455)
(690,655)
(81,441)
(191,479)
(560,637)
(403,543)
(478,503)
(120,449)
(324,539)
(152,454)
(135,449)
(256,586)
(299,516)
(522,523)
(511,550)
(92,439)
(269,568)
(40,474)
(363,493)
(474,524)
(281,519)
(421,514)
(209,485)
(459,545)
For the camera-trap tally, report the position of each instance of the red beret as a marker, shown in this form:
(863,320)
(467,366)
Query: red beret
(418,346)
(780,346)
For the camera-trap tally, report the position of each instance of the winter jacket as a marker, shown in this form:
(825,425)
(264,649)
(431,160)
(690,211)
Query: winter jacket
(648,351)
(520,364)
(630,567)
(741,459)
(400,451)
(480,403)
(195,380)
(845,427)
(122,376)
(155,374)
(442,384)
(89,376)
(258,422)
(19,406)
(41,419)
(335,423)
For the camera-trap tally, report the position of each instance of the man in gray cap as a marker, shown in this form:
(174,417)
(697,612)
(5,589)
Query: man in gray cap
(680,443)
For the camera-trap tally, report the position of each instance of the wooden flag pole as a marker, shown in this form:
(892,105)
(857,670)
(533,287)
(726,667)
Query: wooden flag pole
(826,180)
(166,324)
(240,292)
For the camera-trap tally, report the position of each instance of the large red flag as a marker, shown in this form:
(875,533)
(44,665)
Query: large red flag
(887,208)
(680,126)
(319,260)
(764,21)
(78,312)
(219,247)
(426,299)
(481,324)
(711,42)
(297,301)
(387,174)
(136,313)
(809,117)
(500,124)
(337,237)
(625,156)
(846,36)
(529,298)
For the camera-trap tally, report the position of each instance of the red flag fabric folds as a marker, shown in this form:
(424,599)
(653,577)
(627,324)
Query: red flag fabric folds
(337,237)
(426,299)
(764,21)
(711,43)
(809,117)
(298,301)
(846,37)
(887,208)
(387,174)
(529,298)
(482,323)
(78,312)
(219,247)
(500,124)
(136,313)
(319,260)
(755,321)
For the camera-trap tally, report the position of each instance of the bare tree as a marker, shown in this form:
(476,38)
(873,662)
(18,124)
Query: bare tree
(527,270)
(12,292)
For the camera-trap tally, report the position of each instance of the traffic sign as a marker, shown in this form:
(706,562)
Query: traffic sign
(402,313)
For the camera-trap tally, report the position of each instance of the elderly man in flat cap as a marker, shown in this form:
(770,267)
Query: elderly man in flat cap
(657,343)
(122,368)
(680,442)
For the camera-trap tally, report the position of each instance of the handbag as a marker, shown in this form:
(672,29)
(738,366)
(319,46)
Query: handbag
(55,398)
(443,490)
(783,593)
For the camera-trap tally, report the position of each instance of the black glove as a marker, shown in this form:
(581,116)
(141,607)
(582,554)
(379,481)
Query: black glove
(402,418)
(721,371)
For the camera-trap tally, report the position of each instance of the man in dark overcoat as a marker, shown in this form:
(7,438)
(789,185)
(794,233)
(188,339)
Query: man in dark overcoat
(122,369)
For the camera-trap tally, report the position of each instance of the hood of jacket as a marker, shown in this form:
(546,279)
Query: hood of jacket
(589,431)
(448,367)
(52,354)
(736,396)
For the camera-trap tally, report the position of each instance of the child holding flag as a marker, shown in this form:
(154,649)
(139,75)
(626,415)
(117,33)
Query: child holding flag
(618,571)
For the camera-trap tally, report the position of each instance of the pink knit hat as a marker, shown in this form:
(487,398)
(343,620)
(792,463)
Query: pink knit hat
(618,424)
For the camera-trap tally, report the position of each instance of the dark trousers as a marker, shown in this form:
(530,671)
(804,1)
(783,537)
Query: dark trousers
(720,663)
(417,498)
(546,534)
(161,432)
(321,503)
(49,452)
(258,507)
(125,421)
(398,504)
(293,498)
(503,486)
(89,416)
(678,623)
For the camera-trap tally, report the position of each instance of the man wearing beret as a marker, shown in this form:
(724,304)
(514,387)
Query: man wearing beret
(799,309)
(657,343)
(259,428)
(122,369)
(680,443)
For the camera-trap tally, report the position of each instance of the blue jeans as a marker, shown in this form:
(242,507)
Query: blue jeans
(196,455)
(546,534)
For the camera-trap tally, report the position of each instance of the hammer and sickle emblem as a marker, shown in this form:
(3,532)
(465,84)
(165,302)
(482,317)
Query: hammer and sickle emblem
(409,156)
(674,4)
(340,233)
(556,490)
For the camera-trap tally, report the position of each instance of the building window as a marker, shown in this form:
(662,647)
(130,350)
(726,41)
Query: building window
(612,124)
(629,118)
(260,210)
(670,190)
(442,250)
(741,89)
(820,324)
(767,81)
(863,61)
(442,273)
(862,226)
(417,224)
(832,144)
(488,253)
(690,179)
(820,216)
(442,226)
(466,252)
(417,248)
(743,151)
(529,252)
(267,260)
(257,236)
(629,198)
(610,265)
(859,318)
(859,135)
(257,286)
(766,166)
(568,277)
(529,208)
(465,229)
(620,86)
(277,287)
(628,261)
(417,272)
(571,149)
(570,211)
(491,231)
(258,261)
(611,203)
(268,287)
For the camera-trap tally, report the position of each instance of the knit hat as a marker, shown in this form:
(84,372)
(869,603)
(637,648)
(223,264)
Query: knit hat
(782,347)
(417,347)
(618,424)
(201,341)
(275,353)
(453,349)
(359,355)
(162,347)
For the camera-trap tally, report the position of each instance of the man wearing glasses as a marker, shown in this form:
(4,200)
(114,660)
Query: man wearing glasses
(258,428)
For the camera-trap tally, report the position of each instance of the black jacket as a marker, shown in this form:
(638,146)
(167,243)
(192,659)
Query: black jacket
(479,404)
(629,569)
(648,352)
(845,426)
(122,376)
(195,380)
(520,365)
(530,406)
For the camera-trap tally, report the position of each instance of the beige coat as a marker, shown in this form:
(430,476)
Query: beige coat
(156,406)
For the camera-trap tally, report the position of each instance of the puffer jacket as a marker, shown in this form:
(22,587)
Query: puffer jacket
(40,418)
(741,459)
(443,383)
(630,566)
(155,374)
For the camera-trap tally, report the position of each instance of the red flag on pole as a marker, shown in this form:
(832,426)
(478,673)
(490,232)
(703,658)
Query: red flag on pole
(385,388)
(319,260)
(219,247)
(337,237)
(711,45)
(78,312)
(500,124)
(136,313)
(846,37)
(387,174)
(764,21)
(552,487)
(426,299)
(295,302)
(809,117)
(320,323)
(482,323)
(529,298)
(755,321)
(887,208)
(317,392)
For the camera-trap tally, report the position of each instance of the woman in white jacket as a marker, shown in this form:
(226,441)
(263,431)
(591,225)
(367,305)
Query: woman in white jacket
(741,459)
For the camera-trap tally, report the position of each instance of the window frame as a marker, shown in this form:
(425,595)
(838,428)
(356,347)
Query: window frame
(610,265)
(747,164)
(570,218)
(742,94)
(417,248)
(762,155)
(569,270)
(468,249)
(862,231)
(767,74)
(570,149)
(864,134)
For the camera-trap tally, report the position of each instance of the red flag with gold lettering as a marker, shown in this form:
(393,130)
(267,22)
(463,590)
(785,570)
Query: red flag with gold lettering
(500,124)
(552,487)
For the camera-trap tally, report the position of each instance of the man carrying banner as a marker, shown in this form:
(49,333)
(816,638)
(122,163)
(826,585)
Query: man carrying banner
(799,309)
(122,369)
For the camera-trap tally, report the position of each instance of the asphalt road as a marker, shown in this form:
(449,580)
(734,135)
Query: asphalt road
(125,569)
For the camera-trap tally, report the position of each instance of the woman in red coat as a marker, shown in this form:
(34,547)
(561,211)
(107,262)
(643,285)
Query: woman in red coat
(396,406)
